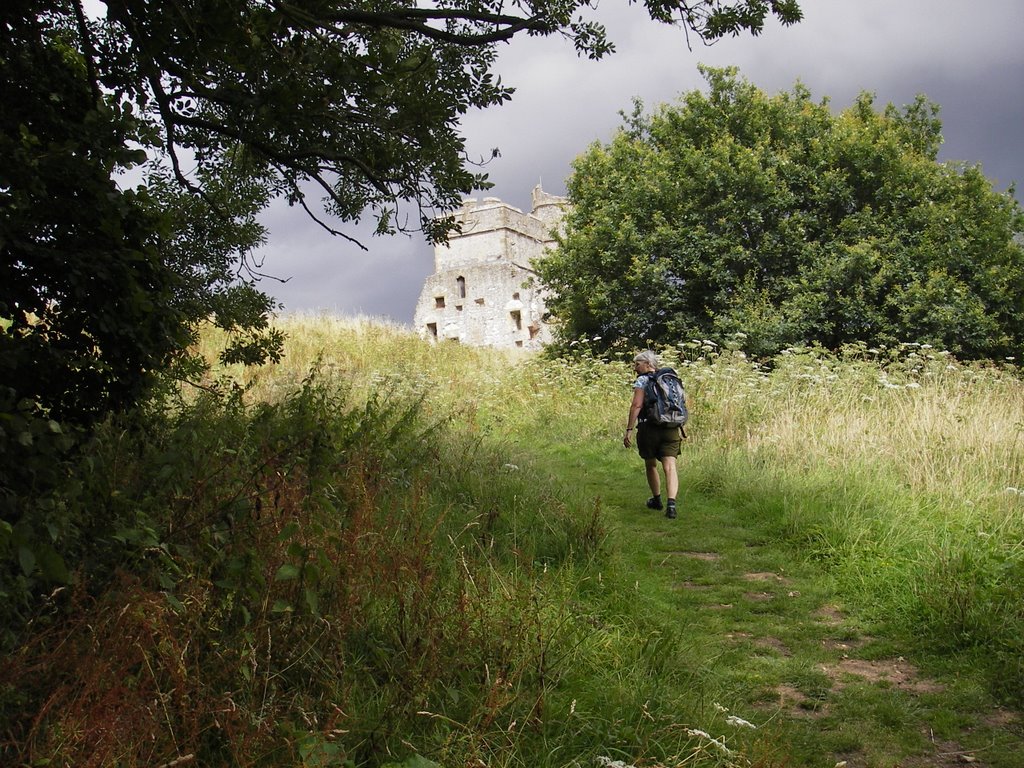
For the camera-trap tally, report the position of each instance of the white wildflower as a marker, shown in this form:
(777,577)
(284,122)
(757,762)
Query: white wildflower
(720,708)
(607,762)
(739,722)
(720,745)
(717,743)
(510,467)
(913,385)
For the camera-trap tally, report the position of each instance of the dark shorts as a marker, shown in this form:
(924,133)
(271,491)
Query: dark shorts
(656,442)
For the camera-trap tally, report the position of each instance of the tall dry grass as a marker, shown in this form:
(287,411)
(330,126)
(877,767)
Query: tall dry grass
(895,467)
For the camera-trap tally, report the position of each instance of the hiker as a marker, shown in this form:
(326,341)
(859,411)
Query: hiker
(655,442)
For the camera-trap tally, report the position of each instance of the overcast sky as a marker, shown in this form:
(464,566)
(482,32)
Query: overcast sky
(967,57)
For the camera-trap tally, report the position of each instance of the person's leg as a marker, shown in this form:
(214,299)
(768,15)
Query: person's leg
(671,477)
(653,476)
(648,452)
(671,485)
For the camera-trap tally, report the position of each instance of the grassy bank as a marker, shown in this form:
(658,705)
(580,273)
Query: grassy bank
(384,548)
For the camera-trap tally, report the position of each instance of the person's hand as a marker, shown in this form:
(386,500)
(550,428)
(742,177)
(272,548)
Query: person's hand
(627,439)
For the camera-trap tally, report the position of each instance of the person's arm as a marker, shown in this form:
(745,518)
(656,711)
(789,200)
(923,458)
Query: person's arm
(634,414)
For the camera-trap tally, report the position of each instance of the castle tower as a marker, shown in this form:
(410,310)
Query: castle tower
(482,292)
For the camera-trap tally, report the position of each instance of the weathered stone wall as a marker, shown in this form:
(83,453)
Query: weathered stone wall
(481,292)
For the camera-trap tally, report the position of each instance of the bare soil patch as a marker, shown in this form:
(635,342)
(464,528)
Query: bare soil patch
(772,643)
(1002,718)
(895,672)
(766,576)
(829,615)
(759,597)
(946,754)
(706,556)
(794,703)
(846,645)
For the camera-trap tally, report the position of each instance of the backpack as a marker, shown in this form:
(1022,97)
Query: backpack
(665,399)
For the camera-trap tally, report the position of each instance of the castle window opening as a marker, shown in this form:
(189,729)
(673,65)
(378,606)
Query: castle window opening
(439,302)
(517,319)
(515,296)
(432,329)
(480,301)
(519,343)
(460,281)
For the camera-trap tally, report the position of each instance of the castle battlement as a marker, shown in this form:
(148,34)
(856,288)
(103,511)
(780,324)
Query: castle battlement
(493,230)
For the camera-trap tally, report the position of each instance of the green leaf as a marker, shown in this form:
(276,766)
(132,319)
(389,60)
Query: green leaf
(288,572)
(174,602)
(312,601)
(281,606)
(27,560)
(52,566)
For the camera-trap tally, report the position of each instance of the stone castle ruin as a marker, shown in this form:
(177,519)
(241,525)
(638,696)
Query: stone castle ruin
(481,292)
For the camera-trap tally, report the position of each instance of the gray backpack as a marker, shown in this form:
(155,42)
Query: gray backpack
(665,399)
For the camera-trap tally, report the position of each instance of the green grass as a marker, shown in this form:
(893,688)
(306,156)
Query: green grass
(439,551)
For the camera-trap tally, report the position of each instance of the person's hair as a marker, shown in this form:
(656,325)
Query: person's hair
(647,356)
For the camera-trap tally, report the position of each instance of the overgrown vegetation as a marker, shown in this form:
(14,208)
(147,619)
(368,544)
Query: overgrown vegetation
(384,549)
(732,210)
(141,143)
(301,581)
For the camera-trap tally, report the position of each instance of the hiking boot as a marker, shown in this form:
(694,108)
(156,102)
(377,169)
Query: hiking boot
(670,513)
(653,503)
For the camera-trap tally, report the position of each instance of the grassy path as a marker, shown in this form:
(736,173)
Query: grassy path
(776,646)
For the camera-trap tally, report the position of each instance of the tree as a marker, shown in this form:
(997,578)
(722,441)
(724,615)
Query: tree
(735,212)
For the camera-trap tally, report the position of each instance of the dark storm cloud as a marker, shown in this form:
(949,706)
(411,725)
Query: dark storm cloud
(313,271)
(966,58)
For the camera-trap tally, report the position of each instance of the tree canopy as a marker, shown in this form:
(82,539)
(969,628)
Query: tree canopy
(734,212)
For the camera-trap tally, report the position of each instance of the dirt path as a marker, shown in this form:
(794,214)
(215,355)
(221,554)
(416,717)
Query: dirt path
(821,684)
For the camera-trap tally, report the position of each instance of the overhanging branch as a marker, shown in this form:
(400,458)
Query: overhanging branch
(503,27)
